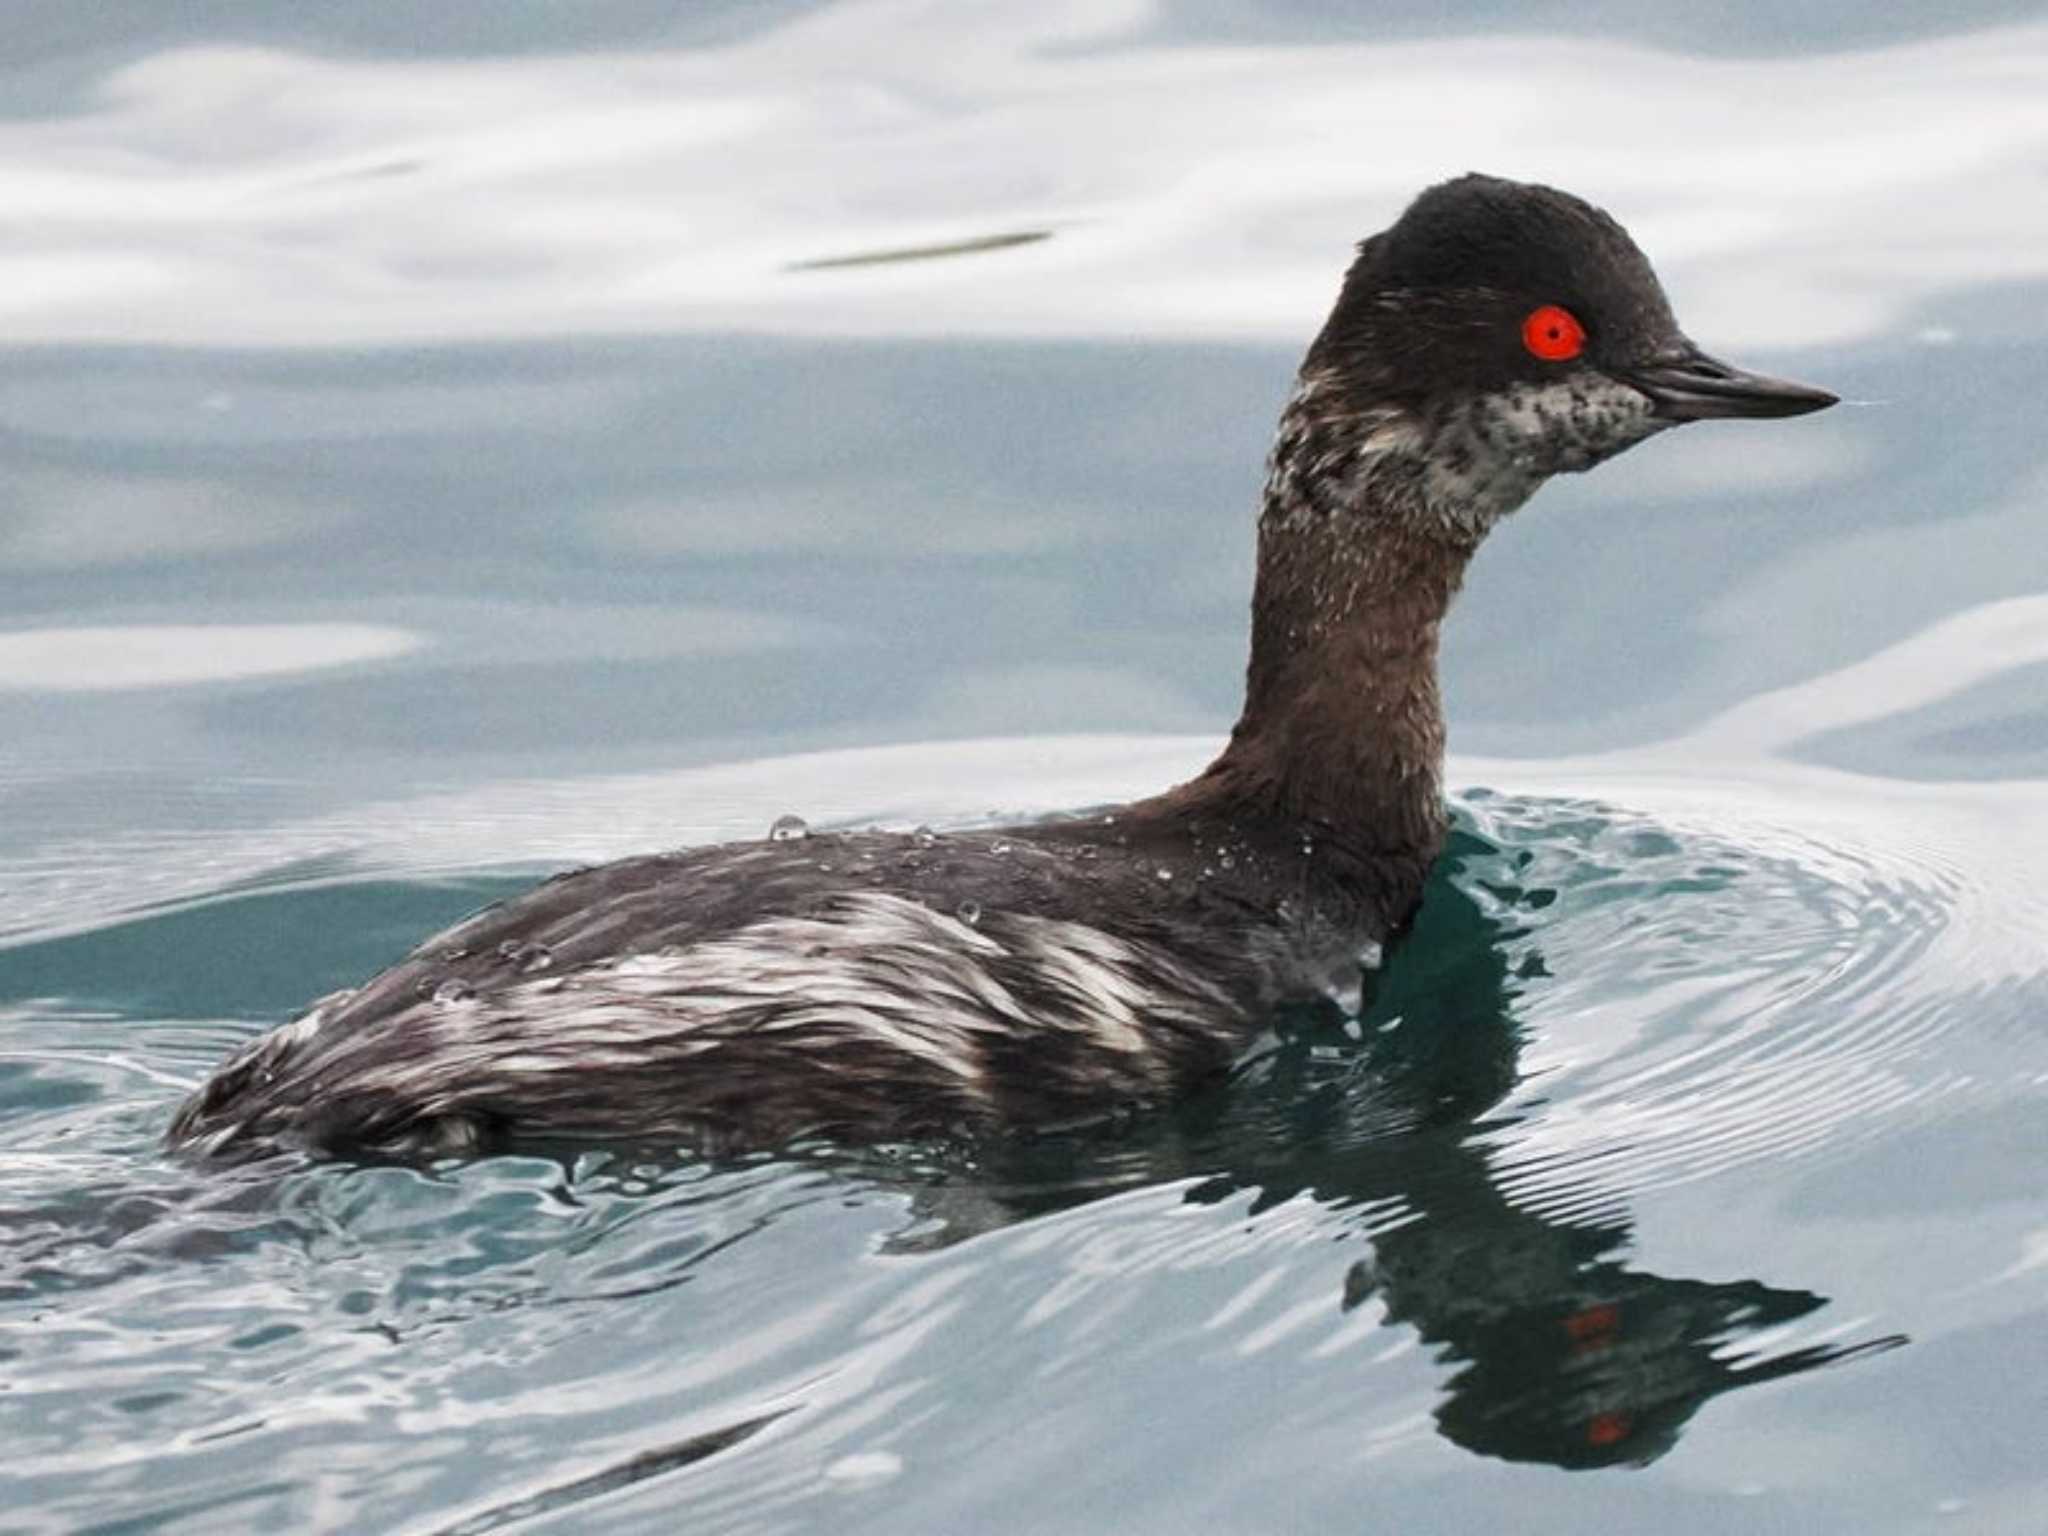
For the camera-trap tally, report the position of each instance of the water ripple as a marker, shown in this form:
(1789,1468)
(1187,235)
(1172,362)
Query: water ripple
(1713,999)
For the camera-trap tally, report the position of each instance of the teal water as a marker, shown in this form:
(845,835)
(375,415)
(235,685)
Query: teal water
(436,451)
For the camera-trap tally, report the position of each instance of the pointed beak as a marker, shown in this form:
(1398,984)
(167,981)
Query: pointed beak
(1687,385)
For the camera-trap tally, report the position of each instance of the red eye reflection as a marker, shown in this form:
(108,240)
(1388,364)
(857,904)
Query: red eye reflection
(1605,1429)
(1553,333)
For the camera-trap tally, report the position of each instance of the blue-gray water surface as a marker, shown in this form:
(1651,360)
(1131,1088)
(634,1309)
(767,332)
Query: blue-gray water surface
(440,445)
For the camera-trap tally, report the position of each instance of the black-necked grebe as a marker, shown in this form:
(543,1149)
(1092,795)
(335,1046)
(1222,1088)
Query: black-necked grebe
(873,986)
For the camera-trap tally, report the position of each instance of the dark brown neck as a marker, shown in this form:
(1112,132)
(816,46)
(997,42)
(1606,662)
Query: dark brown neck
(1343,728)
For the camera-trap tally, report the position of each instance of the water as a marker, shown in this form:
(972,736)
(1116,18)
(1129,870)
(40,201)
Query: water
(439,450)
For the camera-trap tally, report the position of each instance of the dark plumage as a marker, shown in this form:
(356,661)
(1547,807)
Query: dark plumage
(878,986)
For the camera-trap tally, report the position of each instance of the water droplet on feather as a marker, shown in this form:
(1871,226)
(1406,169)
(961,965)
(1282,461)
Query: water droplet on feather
(525,957)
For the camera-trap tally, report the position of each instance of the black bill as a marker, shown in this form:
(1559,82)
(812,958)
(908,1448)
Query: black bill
(1688,385)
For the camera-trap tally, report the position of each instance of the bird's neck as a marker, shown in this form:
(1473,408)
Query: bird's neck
(1343,727)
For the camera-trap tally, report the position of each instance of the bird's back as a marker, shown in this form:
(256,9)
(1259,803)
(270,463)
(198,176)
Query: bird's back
(880,986)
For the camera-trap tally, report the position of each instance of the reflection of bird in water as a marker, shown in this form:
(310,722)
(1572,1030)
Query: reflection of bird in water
(1560,1353)
(1563,1355)
(884,986)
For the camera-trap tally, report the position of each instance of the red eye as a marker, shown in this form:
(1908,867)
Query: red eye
(1553,333)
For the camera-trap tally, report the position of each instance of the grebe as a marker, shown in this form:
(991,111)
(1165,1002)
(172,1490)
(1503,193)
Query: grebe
(880,986)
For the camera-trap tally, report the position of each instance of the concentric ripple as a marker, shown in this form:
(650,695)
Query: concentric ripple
(1707,999)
